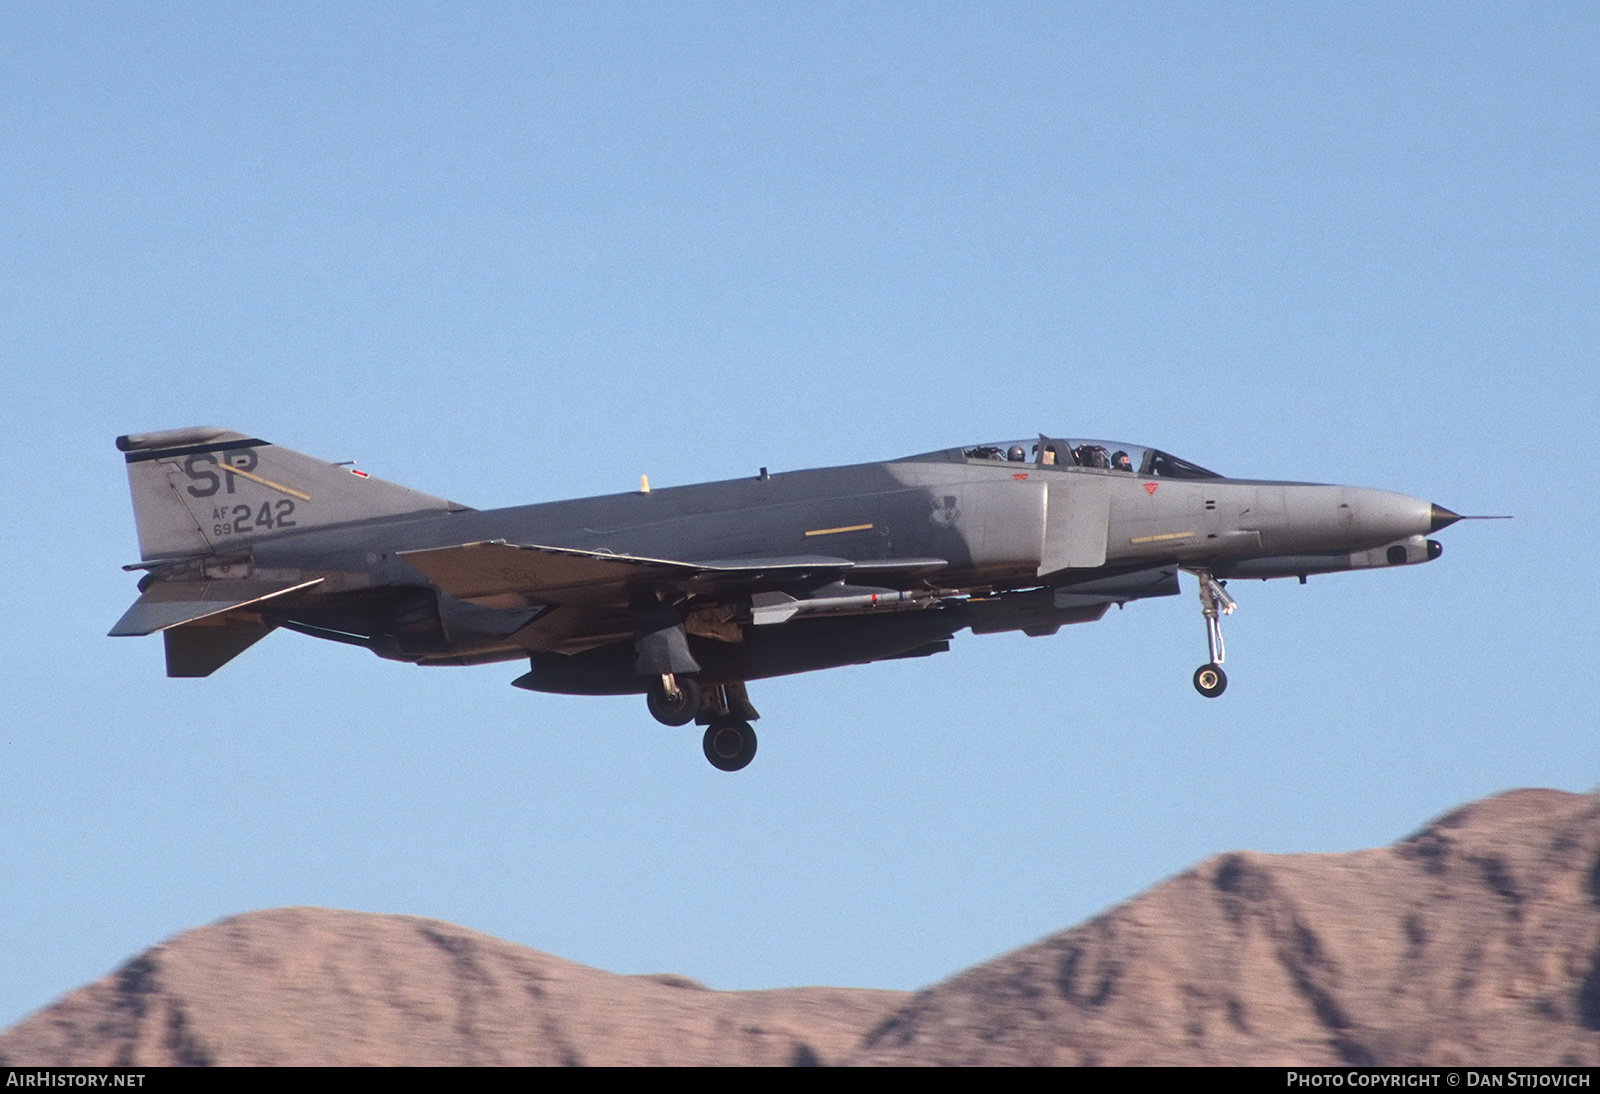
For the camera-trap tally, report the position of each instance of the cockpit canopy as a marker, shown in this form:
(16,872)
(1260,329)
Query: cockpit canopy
(1113,456)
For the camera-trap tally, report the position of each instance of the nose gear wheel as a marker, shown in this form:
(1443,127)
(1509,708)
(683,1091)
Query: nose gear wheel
(1210,680)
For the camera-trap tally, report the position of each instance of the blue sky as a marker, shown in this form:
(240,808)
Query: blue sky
(523,252)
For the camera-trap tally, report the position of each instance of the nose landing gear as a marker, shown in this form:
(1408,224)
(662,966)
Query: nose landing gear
(1209,679)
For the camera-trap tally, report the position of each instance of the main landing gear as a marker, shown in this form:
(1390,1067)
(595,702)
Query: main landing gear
(676,699)
(730,743)
(1209,679)
(673,700)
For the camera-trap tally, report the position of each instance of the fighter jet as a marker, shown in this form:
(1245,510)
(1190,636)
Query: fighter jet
(686,594)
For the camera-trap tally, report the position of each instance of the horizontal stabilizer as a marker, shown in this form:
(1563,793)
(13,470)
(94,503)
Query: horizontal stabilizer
(171,603)
(203,648)
(563,574)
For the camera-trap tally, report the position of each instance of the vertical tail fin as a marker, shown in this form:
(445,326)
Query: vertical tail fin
(204,490)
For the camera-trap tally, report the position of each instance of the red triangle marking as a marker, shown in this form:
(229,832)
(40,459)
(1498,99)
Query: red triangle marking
(1150,488)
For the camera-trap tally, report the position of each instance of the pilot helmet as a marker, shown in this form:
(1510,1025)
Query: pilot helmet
(1015,454)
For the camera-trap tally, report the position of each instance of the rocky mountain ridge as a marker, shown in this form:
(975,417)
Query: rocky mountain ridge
(1474,941)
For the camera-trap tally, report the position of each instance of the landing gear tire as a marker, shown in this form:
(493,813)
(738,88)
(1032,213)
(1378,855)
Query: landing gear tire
(1210,680)
(730,744)
(676,710)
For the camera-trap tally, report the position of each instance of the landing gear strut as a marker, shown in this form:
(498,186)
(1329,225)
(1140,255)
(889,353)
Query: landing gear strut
(1209,679)
(726,712)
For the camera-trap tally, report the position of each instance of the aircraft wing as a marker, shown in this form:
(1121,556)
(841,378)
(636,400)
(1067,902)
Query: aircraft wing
(562,575)
(172,603)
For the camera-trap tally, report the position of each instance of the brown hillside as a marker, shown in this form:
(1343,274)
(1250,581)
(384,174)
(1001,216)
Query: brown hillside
(1476,940)
(316,986)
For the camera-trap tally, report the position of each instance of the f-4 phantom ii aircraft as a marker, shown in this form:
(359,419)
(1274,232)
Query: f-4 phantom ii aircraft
(685,594)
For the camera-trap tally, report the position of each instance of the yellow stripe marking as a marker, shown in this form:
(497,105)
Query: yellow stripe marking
(1169,535)
(266,482)
(836,531)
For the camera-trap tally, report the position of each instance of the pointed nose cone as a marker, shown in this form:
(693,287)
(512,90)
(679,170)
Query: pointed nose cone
(1442,518)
